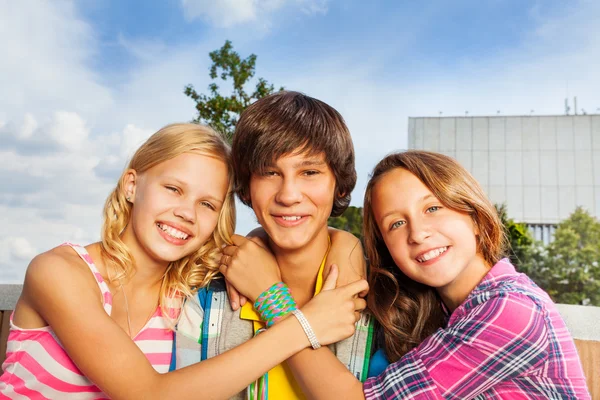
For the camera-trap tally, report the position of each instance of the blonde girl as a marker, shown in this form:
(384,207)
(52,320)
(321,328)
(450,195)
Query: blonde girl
(95,321)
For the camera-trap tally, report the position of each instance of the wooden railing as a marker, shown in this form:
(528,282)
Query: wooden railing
(583,323)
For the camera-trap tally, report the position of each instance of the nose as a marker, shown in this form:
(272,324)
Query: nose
(289,192)
(419,231)
(186,211)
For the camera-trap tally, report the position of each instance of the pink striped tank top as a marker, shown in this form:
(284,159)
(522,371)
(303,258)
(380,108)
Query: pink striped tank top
(38,367)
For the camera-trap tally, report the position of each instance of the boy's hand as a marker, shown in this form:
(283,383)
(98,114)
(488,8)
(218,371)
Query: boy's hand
(249,269)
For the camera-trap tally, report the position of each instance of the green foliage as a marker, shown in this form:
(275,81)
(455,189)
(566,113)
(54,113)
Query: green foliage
(521,243)
(571,272)
(351,220)
(222,112)
(567,268)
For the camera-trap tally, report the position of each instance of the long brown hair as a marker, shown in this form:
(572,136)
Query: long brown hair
(197,269)
(409,311)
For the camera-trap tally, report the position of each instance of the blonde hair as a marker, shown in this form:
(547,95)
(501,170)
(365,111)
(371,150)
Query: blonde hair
(409,311)
(196,270)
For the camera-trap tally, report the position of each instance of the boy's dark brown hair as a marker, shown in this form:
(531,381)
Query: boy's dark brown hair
(292,123)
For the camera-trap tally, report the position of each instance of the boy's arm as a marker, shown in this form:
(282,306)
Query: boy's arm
(347,253)
(314,370)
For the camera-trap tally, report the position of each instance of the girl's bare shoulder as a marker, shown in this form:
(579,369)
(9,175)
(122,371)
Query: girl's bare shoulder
(60,266)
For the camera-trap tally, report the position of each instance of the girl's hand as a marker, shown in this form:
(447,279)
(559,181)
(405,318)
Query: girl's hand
(248,267)
(333,313)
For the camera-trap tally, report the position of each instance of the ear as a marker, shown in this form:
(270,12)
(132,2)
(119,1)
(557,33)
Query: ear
(129,182)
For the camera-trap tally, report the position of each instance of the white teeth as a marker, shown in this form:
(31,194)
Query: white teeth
(291,217)
(432,254)
(176,233)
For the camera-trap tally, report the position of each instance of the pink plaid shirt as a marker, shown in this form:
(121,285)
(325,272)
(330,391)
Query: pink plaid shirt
(507,340)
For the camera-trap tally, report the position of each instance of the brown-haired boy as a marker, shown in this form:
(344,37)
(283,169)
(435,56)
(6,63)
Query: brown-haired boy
(294,165)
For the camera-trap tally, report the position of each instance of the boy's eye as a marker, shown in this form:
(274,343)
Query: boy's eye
(397,224)
(270,173)
(311,172)
(433,209)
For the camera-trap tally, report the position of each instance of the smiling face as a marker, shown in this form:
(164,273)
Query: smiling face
(292,200)
(429,242)
(176,205)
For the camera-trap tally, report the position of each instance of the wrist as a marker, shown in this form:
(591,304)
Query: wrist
(307,328)
(256,294)
(294,332)
(275,303)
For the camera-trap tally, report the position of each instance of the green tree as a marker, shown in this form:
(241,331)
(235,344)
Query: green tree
(522,246)
(222,112)
(351,220)
(571,269)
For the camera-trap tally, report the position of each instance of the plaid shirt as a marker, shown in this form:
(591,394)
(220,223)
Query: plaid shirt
(506,340)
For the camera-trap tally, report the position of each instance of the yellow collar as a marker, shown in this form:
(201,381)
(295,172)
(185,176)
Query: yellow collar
(247,311)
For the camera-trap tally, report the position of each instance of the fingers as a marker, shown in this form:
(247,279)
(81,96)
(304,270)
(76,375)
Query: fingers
(331,280)
(359,304)
(234,296)
(360,288)
(239,240)
(223,270)
(243,300)
(258,241)
(229,250)
(225,259)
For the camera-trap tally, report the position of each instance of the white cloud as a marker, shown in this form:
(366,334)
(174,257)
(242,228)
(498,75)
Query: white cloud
(227,13)
(69,130)
(29,126)
(132,138)
(21,248)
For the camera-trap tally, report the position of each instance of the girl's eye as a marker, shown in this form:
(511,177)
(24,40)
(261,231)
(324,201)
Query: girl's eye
(270,173)
(311,172)
(172,189)
(207,205)
(396,224)
(433,209)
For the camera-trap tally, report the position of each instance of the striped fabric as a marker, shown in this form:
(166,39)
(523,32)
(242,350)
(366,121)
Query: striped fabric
(506,341)
(37,366)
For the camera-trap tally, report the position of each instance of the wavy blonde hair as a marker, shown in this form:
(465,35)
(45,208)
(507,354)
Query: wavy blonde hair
(409,311)
(196,270)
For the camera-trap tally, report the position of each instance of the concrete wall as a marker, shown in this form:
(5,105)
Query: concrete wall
(542,167)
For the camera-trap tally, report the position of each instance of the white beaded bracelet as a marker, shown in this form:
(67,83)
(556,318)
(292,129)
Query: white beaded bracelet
(312,338)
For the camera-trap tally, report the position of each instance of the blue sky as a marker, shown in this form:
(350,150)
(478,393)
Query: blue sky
(83,83)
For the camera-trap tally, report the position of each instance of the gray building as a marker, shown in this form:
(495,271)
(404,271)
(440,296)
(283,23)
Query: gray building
(542,167)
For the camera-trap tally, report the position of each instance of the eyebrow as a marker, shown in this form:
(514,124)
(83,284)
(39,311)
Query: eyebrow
(424,198)
(310,163)
(183,184)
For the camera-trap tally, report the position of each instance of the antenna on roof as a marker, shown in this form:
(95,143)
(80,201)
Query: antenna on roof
(575,105)
(567,108)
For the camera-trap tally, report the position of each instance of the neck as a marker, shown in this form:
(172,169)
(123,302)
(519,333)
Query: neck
(457,291)
(300,267)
